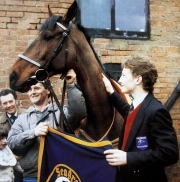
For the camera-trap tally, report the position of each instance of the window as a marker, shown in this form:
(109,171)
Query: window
(114,18)
(113,70)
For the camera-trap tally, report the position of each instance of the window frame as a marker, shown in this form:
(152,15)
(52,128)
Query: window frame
(115,34)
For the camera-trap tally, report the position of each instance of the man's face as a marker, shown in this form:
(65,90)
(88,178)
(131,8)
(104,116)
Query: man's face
(9,104)
(127,81)
(38,94)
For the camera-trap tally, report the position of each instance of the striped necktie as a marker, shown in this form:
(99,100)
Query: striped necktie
(131,108)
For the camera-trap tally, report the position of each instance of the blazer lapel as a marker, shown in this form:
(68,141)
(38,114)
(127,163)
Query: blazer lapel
(138,120)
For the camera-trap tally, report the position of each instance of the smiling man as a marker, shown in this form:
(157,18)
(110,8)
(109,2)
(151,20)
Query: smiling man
(24,136)
(9,104)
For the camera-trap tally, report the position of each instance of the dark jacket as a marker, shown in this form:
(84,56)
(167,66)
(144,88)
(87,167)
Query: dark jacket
(152,124)
(5,122)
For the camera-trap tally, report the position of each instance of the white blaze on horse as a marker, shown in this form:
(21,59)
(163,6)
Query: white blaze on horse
(61,46)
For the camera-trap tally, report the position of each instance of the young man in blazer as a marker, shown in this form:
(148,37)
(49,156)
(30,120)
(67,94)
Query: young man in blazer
(148,141)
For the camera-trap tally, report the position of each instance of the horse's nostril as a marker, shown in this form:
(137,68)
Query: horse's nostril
(13,76)
(12,79)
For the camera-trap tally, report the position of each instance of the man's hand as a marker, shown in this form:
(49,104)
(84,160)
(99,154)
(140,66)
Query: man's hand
(108,86)
(70,76)
(116,157)
(41,129)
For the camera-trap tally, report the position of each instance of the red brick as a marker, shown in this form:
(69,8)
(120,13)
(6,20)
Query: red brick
(14,14)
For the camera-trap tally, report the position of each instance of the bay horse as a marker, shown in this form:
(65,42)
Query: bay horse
(74,52)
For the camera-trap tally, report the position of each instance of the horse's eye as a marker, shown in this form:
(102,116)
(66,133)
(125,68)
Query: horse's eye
(47,37)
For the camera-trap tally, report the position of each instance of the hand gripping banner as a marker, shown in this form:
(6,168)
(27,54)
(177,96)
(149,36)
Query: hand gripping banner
(66,158)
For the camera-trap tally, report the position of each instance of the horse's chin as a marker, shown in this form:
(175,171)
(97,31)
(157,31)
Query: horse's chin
(23,87)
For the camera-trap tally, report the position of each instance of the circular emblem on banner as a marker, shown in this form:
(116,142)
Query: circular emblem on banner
(64,173)
(62,179)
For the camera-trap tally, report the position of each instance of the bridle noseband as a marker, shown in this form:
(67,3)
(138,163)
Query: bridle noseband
(42,71)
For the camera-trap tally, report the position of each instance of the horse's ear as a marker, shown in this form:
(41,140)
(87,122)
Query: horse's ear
(49,11)
(70,14)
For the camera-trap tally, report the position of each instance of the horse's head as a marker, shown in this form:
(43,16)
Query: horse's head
(51,51)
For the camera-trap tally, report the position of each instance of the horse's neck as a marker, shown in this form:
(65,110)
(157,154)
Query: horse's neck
(90,79)
(99,110)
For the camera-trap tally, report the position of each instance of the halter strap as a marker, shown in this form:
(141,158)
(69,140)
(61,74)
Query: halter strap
(29,60)
(108,128)
(62,26)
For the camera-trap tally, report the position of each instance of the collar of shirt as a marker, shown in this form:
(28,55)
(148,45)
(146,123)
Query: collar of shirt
(138,101)
(9,115)
(44,108)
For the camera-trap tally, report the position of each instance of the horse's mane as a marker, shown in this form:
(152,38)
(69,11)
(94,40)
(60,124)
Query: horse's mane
(88,38)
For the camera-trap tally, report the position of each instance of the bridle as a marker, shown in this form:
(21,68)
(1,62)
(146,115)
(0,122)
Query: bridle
(56,50)
(41,75)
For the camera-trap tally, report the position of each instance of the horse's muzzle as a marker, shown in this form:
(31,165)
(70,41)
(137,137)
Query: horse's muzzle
(13,78)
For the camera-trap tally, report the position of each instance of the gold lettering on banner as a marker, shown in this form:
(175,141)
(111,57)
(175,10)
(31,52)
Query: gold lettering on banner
(65,173)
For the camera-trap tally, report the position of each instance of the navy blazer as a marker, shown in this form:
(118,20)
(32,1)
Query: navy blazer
(153,126)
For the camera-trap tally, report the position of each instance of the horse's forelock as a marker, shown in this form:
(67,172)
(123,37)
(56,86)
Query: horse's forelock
(50,23)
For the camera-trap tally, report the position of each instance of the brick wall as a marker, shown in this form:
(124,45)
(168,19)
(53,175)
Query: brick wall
(21,19)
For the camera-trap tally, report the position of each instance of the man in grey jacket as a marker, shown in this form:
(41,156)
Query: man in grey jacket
(24,136)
